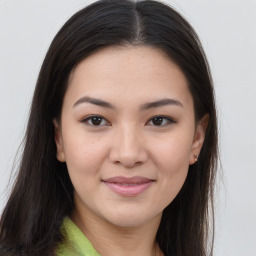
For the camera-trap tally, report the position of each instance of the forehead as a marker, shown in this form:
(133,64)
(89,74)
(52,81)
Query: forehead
(128,73)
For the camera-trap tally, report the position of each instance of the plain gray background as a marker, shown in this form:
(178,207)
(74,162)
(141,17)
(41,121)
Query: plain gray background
(227,29)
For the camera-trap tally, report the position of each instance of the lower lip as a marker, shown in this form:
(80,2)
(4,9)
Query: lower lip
(129,190)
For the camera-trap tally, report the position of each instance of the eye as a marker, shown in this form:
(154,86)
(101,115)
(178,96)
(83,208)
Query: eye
(95,120)
(160,121)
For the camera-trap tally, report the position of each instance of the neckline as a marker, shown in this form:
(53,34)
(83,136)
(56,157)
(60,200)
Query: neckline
(77,240)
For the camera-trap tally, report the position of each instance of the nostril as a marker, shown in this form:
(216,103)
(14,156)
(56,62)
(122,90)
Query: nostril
(128,164)
(128,149)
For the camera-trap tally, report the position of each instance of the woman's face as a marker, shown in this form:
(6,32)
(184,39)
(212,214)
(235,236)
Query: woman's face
(127,134)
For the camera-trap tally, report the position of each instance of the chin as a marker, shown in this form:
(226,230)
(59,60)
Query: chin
(128,219)
(127,223)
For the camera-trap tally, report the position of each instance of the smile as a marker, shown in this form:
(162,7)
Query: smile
(128,186)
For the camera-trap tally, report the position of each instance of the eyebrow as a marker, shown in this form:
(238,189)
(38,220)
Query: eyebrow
(149,105)
(160,103)
(94,101)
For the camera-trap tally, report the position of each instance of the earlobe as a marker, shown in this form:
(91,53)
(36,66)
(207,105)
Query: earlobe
(58,141)
(198,139)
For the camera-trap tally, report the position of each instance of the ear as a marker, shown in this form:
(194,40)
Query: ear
(198,139)
(59,142)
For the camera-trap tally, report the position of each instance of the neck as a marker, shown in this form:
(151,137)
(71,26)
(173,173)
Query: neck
(111,240)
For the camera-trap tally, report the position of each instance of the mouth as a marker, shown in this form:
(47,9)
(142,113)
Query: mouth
(128,186)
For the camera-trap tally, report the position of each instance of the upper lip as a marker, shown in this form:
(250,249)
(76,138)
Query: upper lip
(128,180)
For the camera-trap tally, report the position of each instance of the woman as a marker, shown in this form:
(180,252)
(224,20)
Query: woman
(121,144)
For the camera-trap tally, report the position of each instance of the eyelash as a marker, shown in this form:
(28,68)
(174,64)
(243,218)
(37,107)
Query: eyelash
(89,118)
(168,120)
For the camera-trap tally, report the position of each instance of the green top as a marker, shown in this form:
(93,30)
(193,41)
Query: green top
(76,243)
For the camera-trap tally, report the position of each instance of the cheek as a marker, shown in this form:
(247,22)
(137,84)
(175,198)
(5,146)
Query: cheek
(84,155)
(172,160)
(84,159)
(172,153)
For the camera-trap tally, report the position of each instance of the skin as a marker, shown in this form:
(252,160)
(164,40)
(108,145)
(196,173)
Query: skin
(127,142)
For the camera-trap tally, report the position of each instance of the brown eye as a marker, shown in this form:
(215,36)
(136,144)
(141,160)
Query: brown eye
(157,120)
(160,121)
(95,121)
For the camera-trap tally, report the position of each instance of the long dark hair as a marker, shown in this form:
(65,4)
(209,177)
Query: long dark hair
(43,193)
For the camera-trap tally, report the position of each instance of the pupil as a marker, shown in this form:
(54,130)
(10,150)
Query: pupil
(96,120)
(157,120)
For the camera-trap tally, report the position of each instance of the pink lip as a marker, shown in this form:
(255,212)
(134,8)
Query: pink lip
(128,186)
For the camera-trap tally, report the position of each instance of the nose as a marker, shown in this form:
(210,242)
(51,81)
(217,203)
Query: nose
(128,147)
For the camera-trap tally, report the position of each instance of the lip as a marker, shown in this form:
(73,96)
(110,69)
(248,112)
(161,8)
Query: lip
(128,186)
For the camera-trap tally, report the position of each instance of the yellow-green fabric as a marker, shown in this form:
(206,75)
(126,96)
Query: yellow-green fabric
(76,243)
